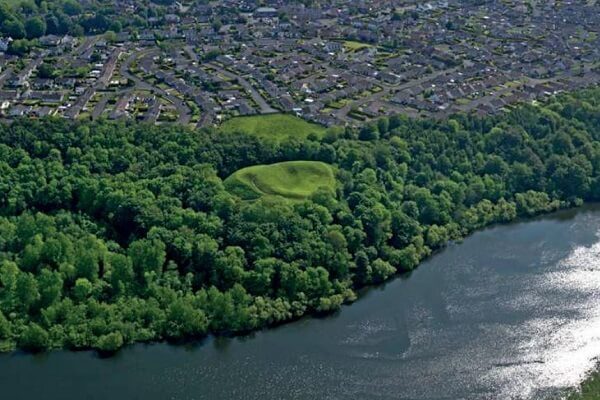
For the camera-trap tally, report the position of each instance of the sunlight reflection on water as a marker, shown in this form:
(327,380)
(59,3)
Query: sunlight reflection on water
(560,350)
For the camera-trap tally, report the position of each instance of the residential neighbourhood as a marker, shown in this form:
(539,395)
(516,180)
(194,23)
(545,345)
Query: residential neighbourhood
(341,62)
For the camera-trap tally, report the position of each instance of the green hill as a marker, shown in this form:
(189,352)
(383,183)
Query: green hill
(293,180)
(273,126)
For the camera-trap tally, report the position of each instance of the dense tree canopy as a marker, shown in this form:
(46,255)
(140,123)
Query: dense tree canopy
(25,18)
(112,233)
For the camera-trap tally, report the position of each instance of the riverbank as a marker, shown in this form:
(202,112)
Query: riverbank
(511,312)
(589,389)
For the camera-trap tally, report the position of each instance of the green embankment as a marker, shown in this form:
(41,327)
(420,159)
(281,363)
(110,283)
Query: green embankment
(293,180)
(273,126)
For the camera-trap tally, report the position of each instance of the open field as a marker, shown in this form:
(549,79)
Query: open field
(273,126)
(292,180)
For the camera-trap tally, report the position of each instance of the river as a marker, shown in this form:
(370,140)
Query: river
(513,312)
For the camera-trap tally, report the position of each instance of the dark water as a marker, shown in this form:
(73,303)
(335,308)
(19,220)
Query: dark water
(511,313)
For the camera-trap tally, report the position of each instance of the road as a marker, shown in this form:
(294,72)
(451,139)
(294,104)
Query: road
(101,83)
(101,105)
(87,44)
(26,72)
(265,108)
(185,115)
(5,74)
(342,113)
(206,104)
(99,108)
(527,81)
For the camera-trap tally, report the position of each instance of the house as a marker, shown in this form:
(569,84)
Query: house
(46,97)
(4,42)
(50,40)
(333,47)
(172,19)
(265,13)
(19,110)
(42,111)
(42,84)
(18,82)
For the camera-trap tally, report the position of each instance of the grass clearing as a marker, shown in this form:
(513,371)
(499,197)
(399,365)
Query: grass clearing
(273,126)
(292,180)
(353,46)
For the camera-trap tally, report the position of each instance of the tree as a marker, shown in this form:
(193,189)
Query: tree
(34,338)
(5,329)
(116,27)
(229,267)
(110,36)
(72,7)
(5,12)
(220,309)
(147,257)
(46,71)
(185,320)
(50,285)
(115,232)
(52,25)
(82,289)
(35,27)
(382,270)
(369,132)
(13,28)
(363,271)
(26,291)
(88,253)
(122,275)
(216,25)
(409,258)
(110,343)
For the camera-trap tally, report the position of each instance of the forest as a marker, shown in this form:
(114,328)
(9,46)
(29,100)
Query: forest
(119,232)
(27,20)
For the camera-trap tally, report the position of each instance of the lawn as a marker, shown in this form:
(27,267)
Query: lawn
(355,46)
(292,180)
(273,126)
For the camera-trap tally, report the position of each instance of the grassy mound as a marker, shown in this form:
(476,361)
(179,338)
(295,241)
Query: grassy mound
(293,180)
(273,126)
